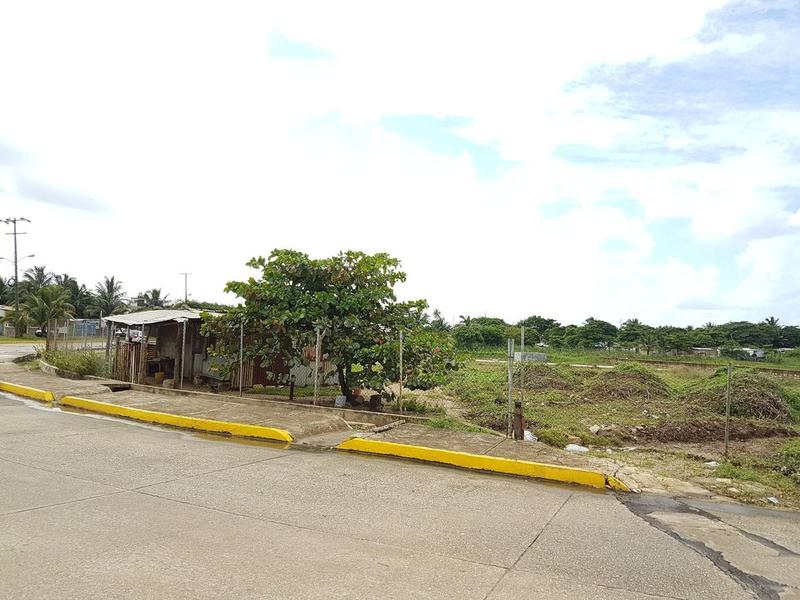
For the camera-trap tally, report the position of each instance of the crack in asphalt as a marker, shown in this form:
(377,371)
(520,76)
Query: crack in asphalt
(761,587)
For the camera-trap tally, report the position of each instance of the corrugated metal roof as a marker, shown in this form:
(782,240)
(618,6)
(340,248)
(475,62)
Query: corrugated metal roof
(148,317)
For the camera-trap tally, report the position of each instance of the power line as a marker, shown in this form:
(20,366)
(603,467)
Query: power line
(13,222)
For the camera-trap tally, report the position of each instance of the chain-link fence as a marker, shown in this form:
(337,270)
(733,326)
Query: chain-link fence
(708,410)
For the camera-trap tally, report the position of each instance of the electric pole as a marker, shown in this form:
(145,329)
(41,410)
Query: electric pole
(185,287)
(13,222)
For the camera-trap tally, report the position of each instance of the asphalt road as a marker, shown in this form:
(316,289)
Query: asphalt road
(98,508)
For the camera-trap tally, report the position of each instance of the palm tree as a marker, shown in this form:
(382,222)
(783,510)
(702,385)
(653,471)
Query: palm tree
(152,299)
(48,303)
(465,320)
(109,298)
(6,291)
(36,278)
(772,321)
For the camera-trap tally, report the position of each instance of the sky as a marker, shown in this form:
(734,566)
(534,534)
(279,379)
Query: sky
(570,159)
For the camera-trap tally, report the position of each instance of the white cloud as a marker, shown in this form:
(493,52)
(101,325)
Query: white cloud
(200,146)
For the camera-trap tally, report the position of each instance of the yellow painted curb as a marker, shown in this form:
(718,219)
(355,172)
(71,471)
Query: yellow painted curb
(482,462)
(209,425)
(27,392)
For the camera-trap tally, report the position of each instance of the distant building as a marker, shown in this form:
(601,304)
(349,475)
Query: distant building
(754,353)
(706,351)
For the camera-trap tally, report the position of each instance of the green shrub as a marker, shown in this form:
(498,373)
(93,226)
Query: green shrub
(790,460)
(552,437)
(82,362)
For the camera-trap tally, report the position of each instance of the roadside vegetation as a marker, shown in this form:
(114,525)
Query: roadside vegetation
(81,362)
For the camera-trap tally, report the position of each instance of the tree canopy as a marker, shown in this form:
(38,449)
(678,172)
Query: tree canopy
(349,297)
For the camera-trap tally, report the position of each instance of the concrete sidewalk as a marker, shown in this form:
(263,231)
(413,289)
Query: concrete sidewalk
(328,428)
(301,422)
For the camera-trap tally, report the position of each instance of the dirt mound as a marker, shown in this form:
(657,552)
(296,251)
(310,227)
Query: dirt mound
(539,377)
(710,430)
(628,381)
(752,395)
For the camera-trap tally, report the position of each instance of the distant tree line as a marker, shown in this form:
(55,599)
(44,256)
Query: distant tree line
(478,332)
(45,295)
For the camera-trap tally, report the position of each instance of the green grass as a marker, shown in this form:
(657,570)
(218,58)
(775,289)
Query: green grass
(325,391)
(23,340)
(607,357)
(760,471)
(453,425)
(419,406)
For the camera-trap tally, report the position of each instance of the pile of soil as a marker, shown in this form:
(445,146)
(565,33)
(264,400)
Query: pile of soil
(541,378)
(628,381)
(752,395)
(709,430)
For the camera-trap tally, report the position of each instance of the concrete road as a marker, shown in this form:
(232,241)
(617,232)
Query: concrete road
(9,352)
(98,508)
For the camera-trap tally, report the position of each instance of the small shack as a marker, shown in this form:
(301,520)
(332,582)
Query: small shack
(154,346)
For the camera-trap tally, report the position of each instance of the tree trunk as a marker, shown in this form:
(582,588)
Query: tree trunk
(343,387)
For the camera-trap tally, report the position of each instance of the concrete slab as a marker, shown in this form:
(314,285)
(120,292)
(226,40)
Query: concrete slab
(26,488)
(440,510)
(137,546)
(782,527)
(602,543)
(547,585)
(95,448)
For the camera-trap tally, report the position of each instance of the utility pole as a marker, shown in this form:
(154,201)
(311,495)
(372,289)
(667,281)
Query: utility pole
(185,287)
(15,233)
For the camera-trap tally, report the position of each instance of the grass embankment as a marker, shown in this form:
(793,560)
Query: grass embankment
(637,405)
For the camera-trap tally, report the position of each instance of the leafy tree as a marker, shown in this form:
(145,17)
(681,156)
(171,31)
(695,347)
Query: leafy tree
(152,299)
(349,296)
(790,337)
(467,337)
(595,332)
(109,299)
(554,336)
(673,339)
(428,355)
(538,324)
(631,332)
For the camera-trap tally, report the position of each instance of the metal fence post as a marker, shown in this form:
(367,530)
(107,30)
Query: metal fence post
(241,355)
(510,385)
(400,394)
(524,369)
(728,408)
(317,358)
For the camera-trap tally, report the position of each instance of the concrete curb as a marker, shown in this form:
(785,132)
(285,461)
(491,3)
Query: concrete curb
(194,423)
(480,462)
(27,392)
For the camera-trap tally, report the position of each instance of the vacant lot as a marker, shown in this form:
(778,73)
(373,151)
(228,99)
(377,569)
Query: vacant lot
(667,416)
